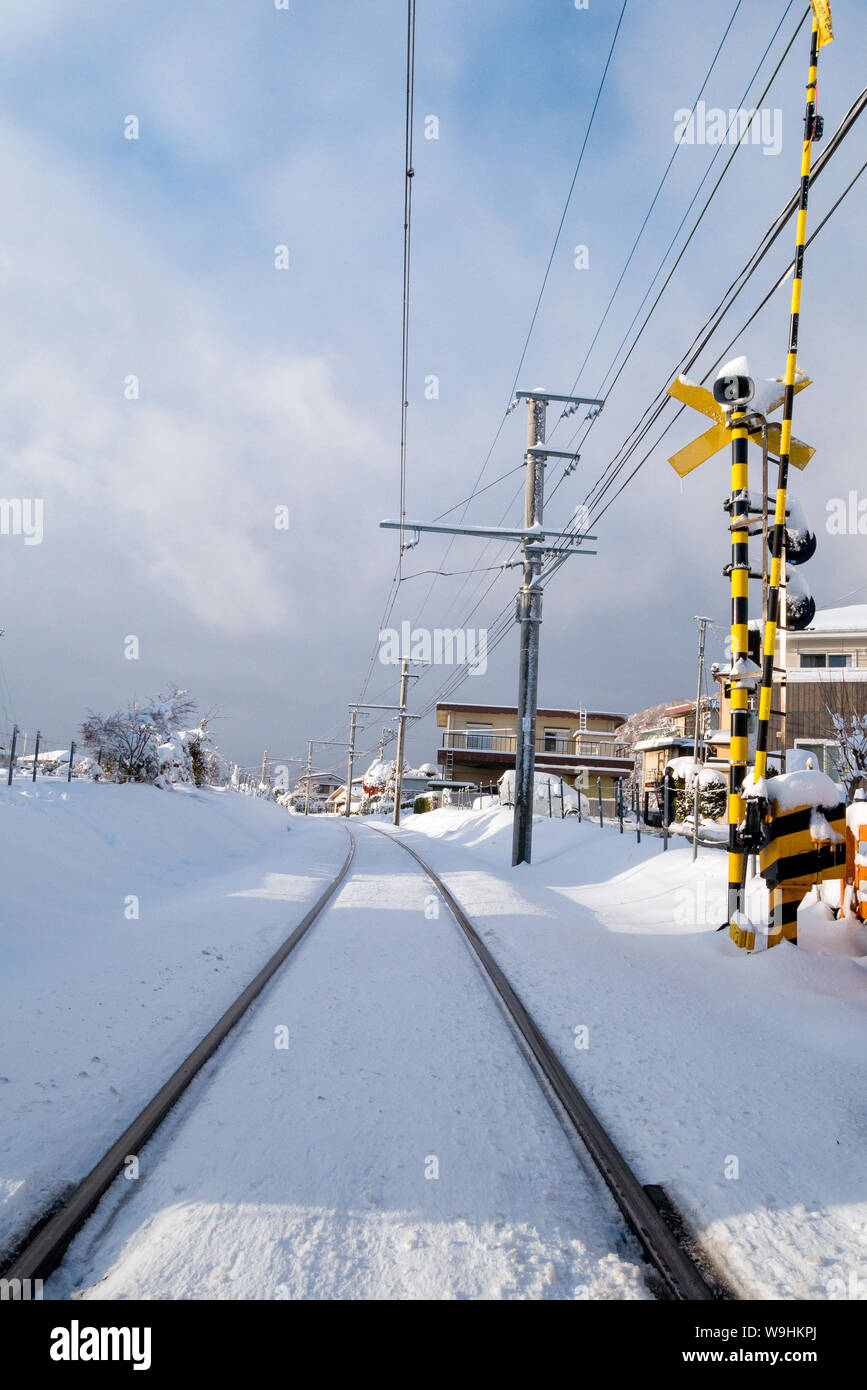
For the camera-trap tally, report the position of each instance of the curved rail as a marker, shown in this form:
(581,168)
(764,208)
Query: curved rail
(43,1252)
(680,1275)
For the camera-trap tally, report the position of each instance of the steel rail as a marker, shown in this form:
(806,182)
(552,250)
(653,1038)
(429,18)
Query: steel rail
(682,1278)
(43,1252)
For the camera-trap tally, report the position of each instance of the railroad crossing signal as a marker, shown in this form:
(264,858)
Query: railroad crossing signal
(767,396)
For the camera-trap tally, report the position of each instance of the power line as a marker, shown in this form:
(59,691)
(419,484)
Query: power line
(512,552)
(539,297)
(503,622)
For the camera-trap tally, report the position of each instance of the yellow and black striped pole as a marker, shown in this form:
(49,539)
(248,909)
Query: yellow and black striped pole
(779,528)
(740,580)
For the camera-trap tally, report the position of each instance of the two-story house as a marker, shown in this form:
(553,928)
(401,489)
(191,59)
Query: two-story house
(825,670)
(478,744)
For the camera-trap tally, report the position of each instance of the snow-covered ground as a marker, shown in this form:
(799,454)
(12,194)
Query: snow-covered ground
(398,1146)
(98,1005)
(736,1081)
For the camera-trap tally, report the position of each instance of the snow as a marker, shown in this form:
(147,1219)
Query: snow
(399,1147)
(768,395)
(850,619)
(856,815)
(803,788)
(304,1171)
(822,831)
(97,1008)
(543,784)
(699,1053)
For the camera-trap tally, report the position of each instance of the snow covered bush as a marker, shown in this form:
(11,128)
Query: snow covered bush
(131,741)
(712,794)
(189,755)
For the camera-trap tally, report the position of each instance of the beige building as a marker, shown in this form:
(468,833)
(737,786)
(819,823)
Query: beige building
(478,742)
(825,674)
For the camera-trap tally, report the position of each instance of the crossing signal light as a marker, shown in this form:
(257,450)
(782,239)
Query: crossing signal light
(800,538)
(733,390)
(800,604)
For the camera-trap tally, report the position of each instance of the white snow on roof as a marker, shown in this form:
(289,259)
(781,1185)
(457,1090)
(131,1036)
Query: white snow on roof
(850,619)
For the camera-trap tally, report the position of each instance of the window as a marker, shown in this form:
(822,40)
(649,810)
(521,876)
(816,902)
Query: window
(479,736)
(556,741)
(811,661)
(825,755)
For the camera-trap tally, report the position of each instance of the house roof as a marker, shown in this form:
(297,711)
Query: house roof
(853,618)
(543,711)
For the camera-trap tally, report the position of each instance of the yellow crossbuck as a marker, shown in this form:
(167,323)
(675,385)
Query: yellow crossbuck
(716,438)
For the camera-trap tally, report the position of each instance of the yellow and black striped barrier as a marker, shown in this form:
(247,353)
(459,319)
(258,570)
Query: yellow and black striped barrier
(794,858)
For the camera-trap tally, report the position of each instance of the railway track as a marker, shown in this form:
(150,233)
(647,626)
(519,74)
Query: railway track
(681,1276)
(43,1250)
(662,1238)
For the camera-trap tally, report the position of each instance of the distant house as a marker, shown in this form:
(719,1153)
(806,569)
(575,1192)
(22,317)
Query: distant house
(322,785)
(820,671)
(478,742)
(673,737)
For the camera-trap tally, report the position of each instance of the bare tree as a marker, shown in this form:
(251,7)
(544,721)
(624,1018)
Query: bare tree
(129,739)
(849,726)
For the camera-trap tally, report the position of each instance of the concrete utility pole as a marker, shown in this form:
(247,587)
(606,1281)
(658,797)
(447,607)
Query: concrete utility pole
(401,735)
(530,617)
(702,634)
(12,755)
(36,753)
(382,745)
(563,542)
(309,773)
(352,718)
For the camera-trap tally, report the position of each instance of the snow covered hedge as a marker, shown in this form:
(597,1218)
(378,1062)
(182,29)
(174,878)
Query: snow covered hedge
(712,792)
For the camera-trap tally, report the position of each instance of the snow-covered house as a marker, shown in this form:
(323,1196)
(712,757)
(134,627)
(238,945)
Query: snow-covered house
(672,738)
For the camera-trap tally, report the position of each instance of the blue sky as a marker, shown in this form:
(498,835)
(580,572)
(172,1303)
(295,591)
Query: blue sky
(260,387)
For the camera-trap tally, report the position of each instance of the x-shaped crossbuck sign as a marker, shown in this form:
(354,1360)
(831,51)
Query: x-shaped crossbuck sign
(769,397)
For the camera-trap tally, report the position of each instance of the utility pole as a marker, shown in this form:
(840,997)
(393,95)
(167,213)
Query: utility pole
(562,542)
(309,773)
(12,755)
(401,735)
(530,617)
(36,753)
(702,633)
(264,766)
(402,717)
(352,718)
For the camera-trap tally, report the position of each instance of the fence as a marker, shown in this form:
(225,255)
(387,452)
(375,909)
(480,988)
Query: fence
(505,741)
(48,756)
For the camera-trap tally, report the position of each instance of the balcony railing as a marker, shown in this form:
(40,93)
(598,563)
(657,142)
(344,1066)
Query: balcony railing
(504,741)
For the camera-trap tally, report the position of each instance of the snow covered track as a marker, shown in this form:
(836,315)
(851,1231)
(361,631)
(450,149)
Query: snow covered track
(681,1277)
(41,1255)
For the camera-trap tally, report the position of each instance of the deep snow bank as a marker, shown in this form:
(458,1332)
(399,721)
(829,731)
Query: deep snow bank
(131,918)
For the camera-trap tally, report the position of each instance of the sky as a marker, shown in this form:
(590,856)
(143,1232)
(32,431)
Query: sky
(169,391)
